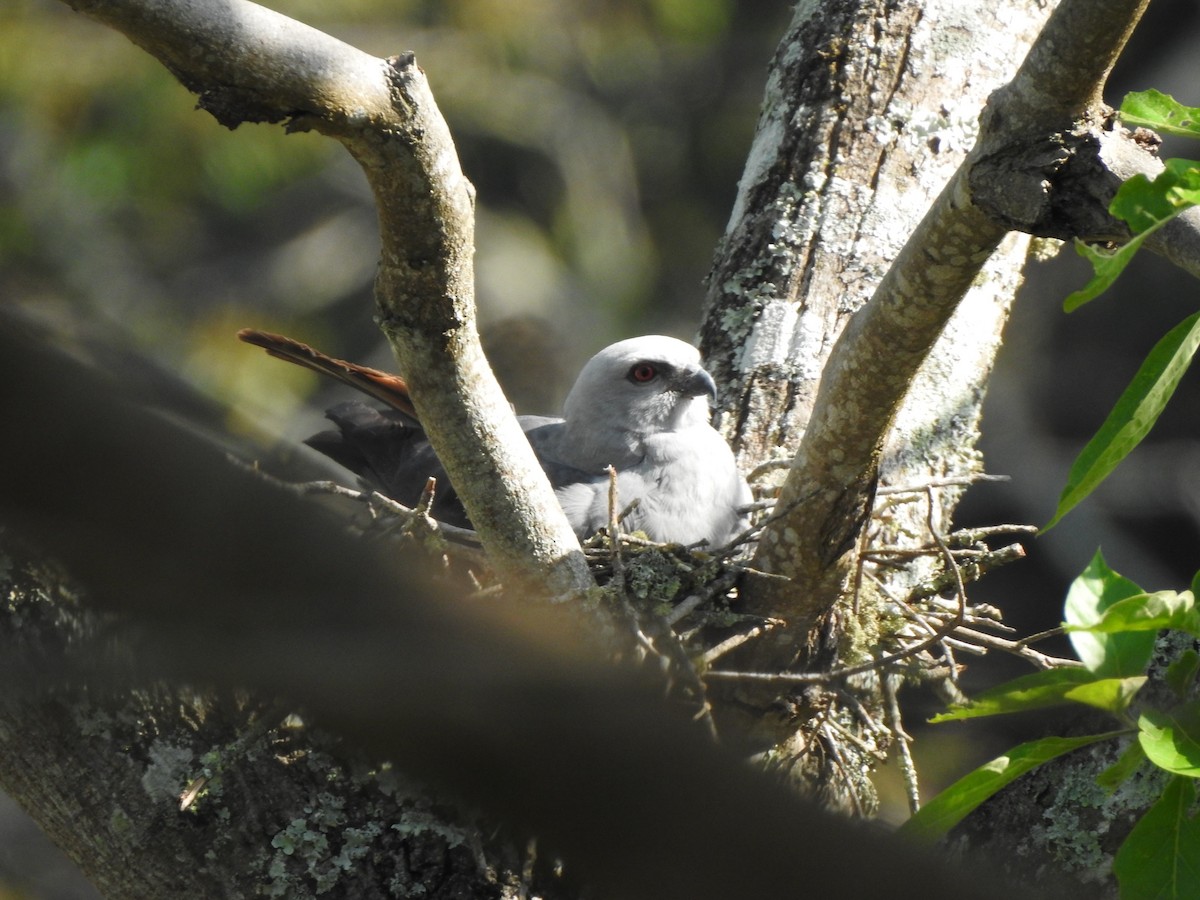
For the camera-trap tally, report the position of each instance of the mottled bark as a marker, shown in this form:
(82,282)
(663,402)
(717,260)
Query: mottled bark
(172,792)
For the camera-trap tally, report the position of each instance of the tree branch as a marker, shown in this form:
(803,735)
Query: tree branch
(1062,188)
(828,492)
(249,64)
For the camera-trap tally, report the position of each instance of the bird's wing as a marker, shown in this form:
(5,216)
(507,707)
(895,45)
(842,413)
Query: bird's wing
(690,494)
(388,389)
(389,454)
(545,436)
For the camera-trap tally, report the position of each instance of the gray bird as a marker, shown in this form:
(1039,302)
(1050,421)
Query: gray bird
(640,405)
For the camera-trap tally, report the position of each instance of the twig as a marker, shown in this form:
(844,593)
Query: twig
(683,609)
(766,468)
(971,570)
(614,529)
(689,604)
(867,719)
(1056,631)
(979,535)
(1017,648)
(373,500)
(907,765)
(732,643)
(884,661)
(926,486)
(835,754)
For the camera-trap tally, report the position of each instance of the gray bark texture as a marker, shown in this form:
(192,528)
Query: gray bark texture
(854,310)
(869,112)
(208,777)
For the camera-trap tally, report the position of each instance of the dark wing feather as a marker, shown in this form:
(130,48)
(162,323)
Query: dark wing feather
(390,454)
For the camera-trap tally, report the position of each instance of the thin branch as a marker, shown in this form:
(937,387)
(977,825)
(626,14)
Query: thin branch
(462,541)
(732,643)
(954,481)
(912,787)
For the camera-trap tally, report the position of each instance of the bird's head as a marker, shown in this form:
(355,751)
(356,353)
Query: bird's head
(641,386)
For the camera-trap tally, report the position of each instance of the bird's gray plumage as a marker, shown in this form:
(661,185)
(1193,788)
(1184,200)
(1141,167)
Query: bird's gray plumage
(640,405)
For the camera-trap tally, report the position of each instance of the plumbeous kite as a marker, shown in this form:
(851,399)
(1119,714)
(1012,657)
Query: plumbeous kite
(640,405)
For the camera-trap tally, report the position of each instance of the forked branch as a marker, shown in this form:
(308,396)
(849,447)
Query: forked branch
(829,490)
(249,64)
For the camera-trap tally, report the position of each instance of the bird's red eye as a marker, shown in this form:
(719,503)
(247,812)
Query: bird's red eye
(643,372)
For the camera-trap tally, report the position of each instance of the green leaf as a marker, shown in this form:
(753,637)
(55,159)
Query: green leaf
(1145,205)
(1117,655)
(1148,612)
(1181,674)
(1135,413)
(1116,774)
(1112,695)
(1048,688)
(1162,112)
(1171,738)
(1161,856)
(953,804)
(1106,266)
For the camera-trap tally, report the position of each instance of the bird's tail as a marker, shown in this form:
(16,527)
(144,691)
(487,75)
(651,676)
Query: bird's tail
(389,389)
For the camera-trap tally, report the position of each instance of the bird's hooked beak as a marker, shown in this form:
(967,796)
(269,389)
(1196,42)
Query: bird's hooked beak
(689,411)
(698,383)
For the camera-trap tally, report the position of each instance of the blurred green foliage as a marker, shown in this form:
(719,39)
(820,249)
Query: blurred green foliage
(605,138)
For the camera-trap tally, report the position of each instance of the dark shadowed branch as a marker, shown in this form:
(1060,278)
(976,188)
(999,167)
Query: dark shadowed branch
(227,580)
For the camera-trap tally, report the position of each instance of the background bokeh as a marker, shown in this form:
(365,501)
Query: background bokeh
(605,139)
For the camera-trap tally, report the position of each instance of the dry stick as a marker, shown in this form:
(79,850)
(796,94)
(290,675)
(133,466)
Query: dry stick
(981,534)
(732,643)
(861,711)
(949,481)
(464,538)
(884,661)
(425,502)
(1056,631)
(1017,648)
(978,642)
(975,564)
(684,608)
(907,765)
(835,754)
(614,531)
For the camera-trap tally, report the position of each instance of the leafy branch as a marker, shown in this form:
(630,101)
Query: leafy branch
(1113,625)
(1146,205)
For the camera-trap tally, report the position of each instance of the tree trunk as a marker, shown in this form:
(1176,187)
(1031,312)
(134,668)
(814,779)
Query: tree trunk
(870,109)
